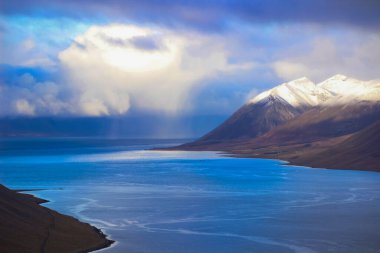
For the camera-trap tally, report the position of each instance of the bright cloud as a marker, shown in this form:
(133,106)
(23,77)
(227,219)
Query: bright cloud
(110,68)
(27,96)
(23,107)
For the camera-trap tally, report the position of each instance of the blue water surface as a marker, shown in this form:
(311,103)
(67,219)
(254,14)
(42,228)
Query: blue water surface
(196,202)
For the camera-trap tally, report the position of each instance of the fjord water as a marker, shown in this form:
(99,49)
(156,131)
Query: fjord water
(196,202)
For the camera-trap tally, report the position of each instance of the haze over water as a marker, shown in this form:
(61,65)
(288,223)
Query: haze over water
(196,202)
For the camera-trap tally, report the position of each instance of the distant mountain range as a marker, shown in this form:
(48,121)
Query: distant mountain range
(305,123)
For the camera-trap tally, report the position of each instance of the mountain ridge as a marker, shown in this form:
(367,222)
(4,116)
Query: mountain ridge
(293,99)
(296,115)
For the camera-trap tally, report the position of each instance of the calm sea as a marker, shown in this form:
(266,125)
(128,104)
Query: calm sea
(196,202)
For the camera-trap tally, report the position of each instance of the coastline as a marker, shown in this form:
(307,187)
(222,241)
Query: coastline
(26,226)
(315,160)
(313,156)
(355,151)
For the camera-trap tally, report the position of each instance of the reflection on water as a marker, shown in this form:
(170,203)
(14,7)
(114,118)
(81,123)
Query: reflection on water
(191,202)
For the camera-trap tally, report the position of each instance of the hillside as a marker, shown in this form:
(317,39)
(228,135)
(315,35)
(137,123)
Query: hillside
(300,111)
(268,110)
(27,227)
(253,120)
(359,151)
(321,125)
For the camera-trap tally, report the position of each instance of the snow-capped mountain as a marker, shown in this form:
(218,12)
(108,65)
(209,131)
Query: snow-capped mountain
(302,110)
(346,89)
(333,124)
(338,89)
(298,93)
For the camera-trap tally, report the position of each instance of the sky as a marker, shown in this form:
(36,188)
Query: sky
(66,58)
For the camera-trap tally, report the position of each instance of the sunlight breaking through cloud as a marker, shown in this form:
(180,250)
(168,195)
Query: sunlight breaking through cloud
(110,68)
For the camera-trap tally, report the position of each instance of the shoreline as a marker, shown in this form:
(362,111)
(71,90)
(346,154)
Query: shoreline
(283,154)
(27,226)
(106,244)
(354,151)
(40,201)
(308,164)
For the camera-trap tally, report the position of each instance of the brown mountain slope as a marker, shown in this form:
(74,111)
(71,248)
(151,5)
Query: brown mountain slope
(333,137)
(360,151)
(273,126)
(322,123)
(25,227)
(313,125)
(251,120)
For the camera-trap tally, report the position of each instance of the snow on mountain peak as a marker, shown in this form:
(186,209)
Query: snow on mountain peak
(338,89)
(338,77)
(298,93)
(340,84)
(348,89)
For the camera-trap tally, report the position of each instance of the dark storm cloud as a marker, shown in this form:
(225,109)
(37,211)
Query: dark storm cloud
(208,14)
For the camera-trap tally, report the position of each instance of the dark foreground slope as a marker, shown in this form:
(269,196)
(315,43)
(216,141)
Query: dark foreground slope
(25,227)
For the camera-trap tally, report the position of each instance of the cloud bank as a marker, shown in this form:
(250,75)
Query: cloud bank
(109,69)
(27,96)
(114,57)
(113,67)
